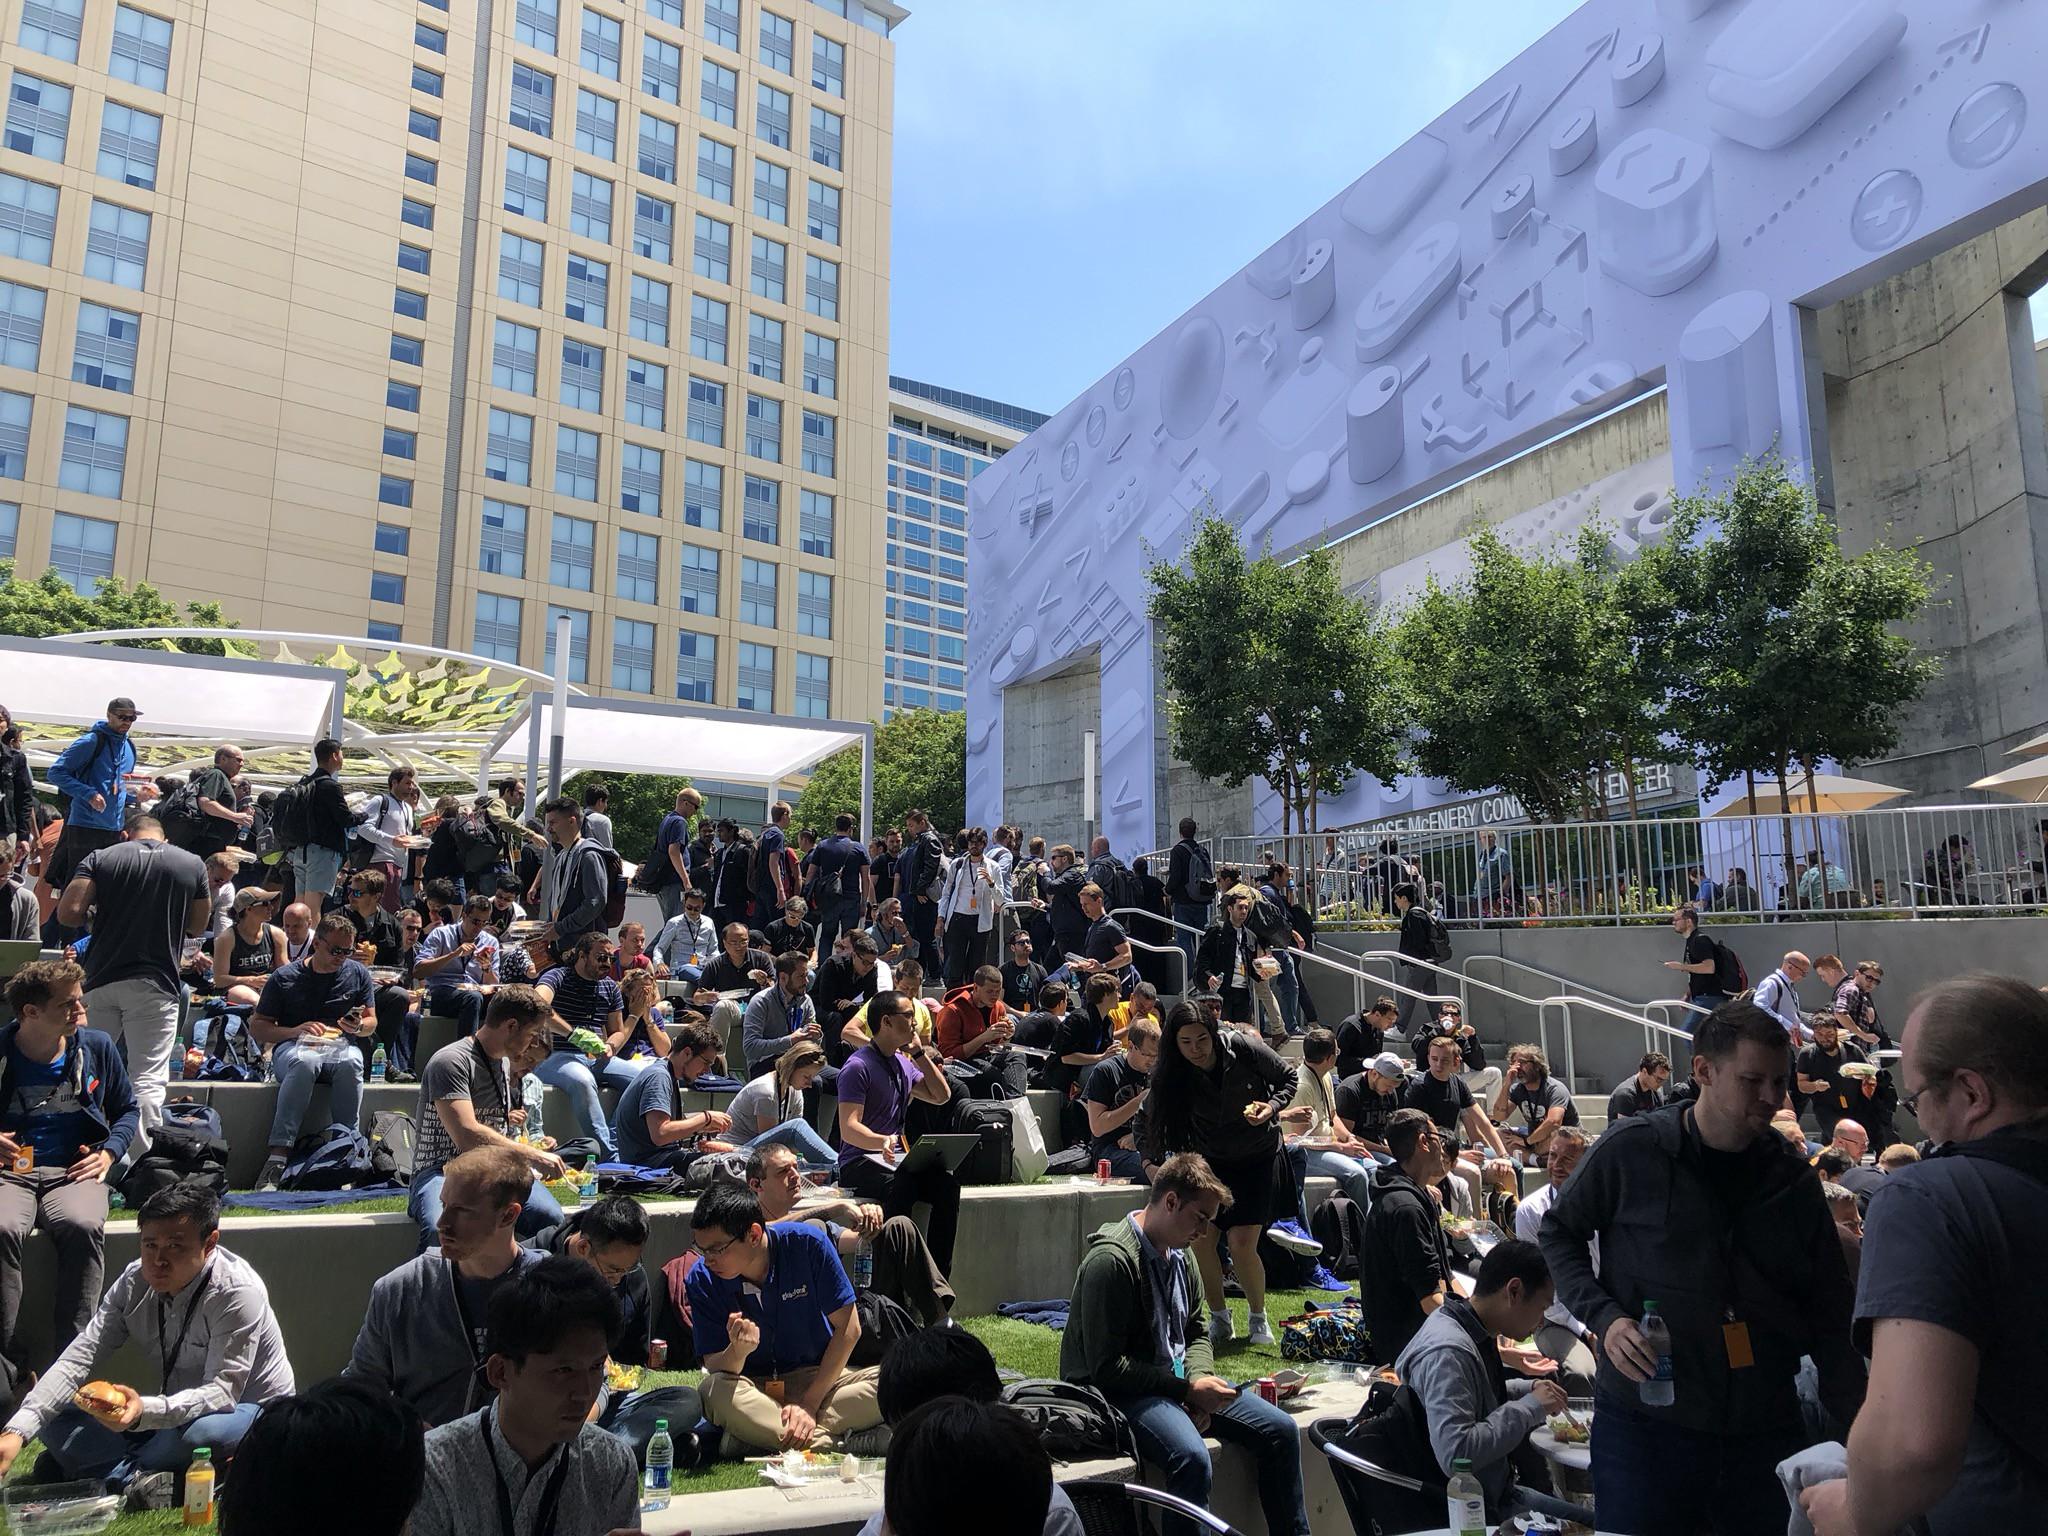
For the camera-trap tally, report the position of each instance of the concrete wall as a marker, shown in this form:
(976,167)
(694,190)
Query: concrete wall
(1042,730)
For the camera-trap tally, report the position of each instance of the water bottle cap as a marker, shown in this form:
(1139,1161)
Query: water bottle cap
(660,1424)
(202,1454)
(1649,1306)
(1461,1465)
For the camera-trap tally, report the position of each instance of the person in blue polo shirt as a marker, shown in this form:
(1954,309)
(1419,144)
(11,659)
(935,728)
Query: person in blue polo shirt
(772,1316)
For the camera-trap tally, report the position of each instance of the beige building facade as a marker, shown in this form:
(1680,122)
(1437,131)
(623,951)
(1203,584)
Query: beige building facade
(428,321)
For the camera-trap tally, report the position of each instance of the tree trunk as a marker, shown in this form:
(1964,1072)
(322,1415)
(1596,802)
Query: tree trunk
(1785,826)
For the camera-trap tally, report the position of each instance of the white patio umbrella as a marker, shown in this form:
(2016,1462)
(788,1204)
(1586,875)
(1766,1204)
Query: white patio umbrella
(2037,747)
(1831,794)
(2026,781)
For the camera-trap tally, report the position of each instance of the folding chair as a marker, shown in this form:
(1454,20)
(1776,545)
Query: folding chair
(1102,1506)
(1381,1502)
(1141,1495)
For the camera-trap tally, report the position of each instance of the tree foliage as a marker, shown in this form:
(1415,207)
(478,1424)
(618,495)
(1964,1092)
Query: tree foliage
(1271,669)
(48,606)
(920,761)
(638,802)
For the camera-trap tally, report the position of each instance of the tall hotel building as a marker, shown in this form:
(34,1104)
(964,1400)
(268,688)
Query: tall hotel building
(430,319)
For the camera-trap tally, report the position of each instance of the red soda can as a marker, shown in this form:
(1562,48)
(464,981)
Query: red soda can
(657,1354)
(1269,1389)
(1102,1171)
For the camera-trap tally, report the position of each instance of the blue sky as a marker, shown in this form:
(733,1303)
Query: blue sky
(1072,174)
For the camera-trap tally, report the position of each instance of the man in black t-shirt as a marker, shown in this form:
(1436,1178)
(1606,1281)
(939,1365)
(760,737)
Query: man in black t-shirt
(1643,1092)
(1700,961)
(1040,1028)
(1113,1097)
(1107,950)
(1363,1036)
(1367,1101)
(1819,1068)
(220,822)
(1022,975)
(1086,1036)
(1404,1265)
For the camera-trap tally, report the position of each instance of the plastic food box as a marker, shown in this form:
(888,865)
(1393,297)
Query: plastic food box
(59,1509)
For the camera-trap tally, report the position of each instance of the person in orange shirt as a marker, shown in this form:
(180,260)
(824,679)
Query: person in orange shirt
(974,1031)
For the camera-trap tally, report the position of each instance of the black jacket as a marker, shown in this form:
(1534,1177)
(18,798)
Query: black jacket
(838,994)
(1403,1258)
(1415,935)
(1213,1122)
(636,1308)
(1189,860)
(1774,1264)
(328,818)
(1062,896)
(929,865)
(1217,952)
(17,796)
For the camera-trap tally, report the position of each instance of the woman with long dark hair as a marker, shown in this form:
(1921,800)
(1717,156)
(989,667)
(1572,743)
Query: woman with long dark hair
(1220,1092)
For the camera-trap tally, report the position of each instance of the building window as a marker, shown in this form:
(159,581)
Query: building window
(764,428)
(600,54)
(420,168)
(520,264)
(501,546)
(21,330)
(508,448)
(533,100)
(582,375)
(526,185)
(16,413)
(814,531)
(703,495)
(821,365)
(771,115)
(714,170)
(497,627)
(821,438)
(82,550)
(579,642)
(647,316)
(697,584)
(639,565)
(515,357)
(378,629)
(95,452)
(708,328)
(416,213)
(824,215)
(696,666)
(597,125)
(657,148)
(713,250)
(813,686)
(633,655)
(761,511)
(409,303)
(828,65)
(646,394)
(718,93)
(814,604)
(771,192)
(756,690)
(536,23)
(764,348)
(640,479)
(722,23)
(129,141)
(408,349)
(414,258)
(428,82)
(401,444)
(28,219)
(661,70)
(828,137)
(420,124)
(821,287)
(399,397)
(571,543)
(670,11)
(386,587)
(757,592)
(433,39)
(654,228)
(588,288)
(707,413)
(590,208)
(38,117)
(394,490)
(778,43)
(576,463)
(141,53)
(10,528)
(770,268)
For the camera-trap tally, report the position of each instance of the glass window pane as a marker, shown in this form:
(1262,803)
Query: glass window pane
(646,394)
(526,184)
(521,263)
(640,470)
(21,328)
(141,52)
(828,65)
(714,170)
(130,139)
(764,428)
(707,412)
(582,375)
(597,125)
(639,565)
(657,148)
(533,100)
(502,547)
(571,544)
(771,191)
(82,550)
(95,452)
(497,627)
(821,365)
(590,207)
(703,495)
(697,584)
(649,311)
(761,511)
(508,448)
(588,290)
(579,642)
(600,51)
(764,348)
(708,328)
(633,655)
(696,666)
(576,465)
(661,70)
(770,268)
(536,23)
(778,42)
(515,357)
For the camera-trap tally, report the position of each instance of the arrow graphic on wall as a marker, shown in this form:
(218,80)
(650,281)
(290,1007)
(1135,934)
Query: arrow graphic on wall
(1602,47)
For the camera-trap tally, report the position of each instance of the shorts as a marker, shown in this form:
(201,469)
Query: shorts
(1261,1191)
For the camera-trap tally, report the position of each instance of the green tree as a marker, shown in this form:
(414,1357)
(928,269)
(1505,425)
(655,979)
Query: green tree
(920,760)
(638,802)
(1271,669)
(48,606)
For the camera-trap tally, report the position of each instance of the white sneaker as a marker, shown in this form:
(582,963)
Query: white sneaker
(1262,1329)
(1220,1331)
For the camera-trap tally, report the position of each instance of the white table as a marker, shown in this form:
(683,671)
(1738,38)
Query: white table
(1578,1457)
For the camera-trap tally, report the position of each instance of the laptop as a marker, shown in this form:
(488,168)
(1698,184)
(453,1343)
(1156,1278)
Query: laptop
(947,1150)
(15,953)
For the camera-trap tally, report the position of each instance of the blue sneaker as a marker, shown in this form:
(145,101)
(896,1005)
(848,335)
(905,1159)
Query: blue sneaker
(1322,1280)
(1288,1234)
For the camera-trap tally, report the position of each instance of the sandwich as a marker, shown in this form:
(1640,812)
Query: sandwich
(100,1397)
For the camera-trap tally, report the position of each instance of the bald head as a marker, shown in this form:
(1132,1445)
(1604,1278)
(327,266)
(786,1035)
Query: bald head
(298,920)
(1852,1139)
(1796,965)
(1098,848)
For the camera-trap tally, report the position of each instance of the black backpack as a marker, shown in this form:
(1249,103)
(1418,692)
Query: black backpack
(183,821)
(1073,1422)
(291,814)
(1201,878)
(362,853)
(476,840)
(1731,977)
(1268,924)
(230,1054)
(394,1145)
(1439,939)
(882,1323)
(989,1119)
(188,1145)
(1339,1225)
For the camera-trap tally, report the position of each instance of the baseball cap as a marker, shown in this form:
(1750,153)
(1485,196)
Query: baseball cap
(1387,1064)
(1205,997)
(123,705)
(253,896)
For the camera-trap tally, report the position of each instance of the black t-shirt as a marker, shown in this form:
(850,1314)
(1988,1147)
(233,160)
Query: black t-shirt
(142,892)
(1105,937)
(1113,1084)
(1021,984)
(1363,1110)
(1699,947)
(1628,1100)
(1842,1094)
(1535,1103)
(1405,1257)
(1081,1033)
(212,833)
(785,937)
(837,863)
(1037,1030)
(721,975)
(1358,1041)
(1444,1102)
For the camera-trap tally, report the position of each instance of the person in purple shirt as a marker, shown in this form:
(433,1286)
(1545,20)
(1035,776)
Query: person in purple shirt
(875,1089)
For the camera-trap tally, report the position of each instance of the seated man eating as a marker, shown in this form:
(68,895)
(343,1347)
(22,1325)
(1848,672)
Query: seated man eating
(309,1016)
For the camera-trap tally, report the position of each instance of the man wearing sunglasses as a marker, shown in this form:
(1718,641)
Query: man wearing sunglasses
(310,1016)
(92,773)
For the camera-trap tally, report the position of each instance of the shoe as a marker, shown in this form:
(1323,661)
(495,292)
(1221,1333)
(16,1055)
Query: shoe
(400,1077)
(1288,1235)
(1220,1331)
(866,1442)
(273,1170)
(1320,1279)
(1231,1289)
(152,1490)
(731,1449)
(1262,1329)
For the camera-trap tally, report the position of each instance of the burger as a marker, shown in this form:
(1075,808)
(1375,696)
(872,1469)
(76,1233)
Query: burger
(101,1397)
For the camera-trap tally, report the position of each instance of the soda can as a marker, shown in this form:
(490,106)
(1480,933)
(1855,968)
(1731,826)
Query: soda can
(1102,1171)
(657,1354)
(1269,1389)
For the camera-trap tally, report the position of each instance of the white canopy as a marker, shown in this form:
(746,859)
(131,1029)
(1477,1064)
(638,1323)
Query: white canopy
(56,682)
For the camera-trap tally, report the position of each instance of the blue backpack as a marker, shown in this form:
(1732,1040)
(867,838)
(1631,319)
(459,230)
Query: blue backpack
(231,1054)
(335,1158)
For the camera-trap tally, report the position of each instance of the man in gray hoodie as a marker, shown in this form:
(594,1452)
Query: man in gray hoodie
(1475,1412)
(423,1338)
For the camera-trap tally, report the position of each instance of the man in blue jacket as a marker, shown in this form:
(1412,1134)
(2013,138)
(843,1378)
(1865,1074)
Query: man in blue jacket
(65,1105)
(93,772)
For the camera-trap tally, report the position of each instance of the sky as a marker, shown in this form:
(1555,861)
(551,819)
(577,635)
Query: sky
(1071,175)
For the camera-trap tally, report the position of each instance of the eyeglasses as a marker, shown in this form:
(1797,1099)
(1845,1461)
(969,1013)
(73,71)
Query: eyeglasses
(130,719)
(715,1249)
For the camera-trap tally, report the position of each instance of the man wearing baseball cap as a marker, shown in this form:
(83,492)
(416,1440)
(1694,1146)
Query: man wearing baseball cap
(93,772)
(1366,1101)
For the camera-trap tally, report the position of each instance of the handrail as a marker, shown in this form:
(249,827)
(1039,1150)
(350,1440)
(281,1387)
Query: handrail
(1582,989)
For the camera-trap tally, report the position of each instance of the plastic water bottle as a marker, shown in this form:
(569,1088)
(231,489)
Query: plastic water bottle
(661,1461)
(861,1271)
(1659,1391)
(1466,1501)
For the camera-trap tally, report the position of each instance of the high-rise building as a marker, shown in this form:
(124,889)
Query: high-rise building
(429,321)
(939,439)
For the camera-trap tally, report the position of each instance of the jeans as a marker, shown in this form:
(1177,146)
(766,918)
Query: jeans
(570,1072)
(398,1028)
(670,899)
(84,1448)
(1708,1000)
(465,1008)
(1168,1439)
(618,1075)
(74,1218)
(836,915)
(1196,916)
(423,1204)
(801,1138)
(1657,1479)
(296,1067)
(1126,1163)
(998,1074)
(966,947)
(313,871)
(631,1415)
(1354,1178)
(143,1019)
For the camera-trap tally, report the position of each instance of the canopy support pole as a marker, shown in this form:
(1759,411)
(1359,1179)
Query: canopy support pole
(867,784)
(558,710)
(532,756)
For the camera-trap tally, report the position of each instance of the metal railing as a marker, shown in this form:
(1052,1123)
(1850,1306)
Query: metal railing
(1780,865)
(1688,1010)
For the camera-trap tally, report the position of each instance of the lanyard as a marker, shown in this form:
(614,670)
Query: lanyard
(544,1522)
(497,1086)
(168,1358)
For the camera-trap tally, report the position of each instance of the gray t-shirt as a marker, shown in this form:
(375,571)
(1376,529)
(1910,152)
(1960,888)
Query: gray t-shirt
(142,892)
(20,916)
(458,1071)
(754,1110)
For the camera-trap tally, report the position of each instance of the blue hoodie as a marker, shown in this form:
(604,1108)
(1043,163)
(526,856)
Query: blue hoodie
(93,764)
(98,1078)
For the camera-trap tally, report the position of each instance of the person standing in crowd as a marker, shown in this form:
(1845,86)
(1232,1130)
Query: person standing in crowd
(1417,943)
(1107,950)
(534,1447)
(844,885)
(973,1032)
(920,879)
(1226,957)
(21,915)
(1318,1142)
(1404,1266)
(1493,880)
(1060,889)
(875,1089)
(597,821)
(1821,1075)
(1854,999)
(143,899)
(968,908)
(1220,1093)
(686,940)
(904,1269)
(1134,1333)
(1190,888)
(223,1362)
(302,1460)
(328,824)
(1949,1438)
(773,883)
(458,961)
(18,825)
(1705,986)
(1561,1337)
(1646,1091)
(307,1017)
(220,821)
(1022,975)
(581,883)
(92,773)
(702,858)
(1778,995)
(386,826)
(1702,1210)
(650,1130)
(1113,1094)
(670,877)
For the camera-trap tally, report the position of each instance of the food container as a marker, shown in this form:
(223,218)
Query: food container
(385,975)
(1266,966)
(59,1509)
